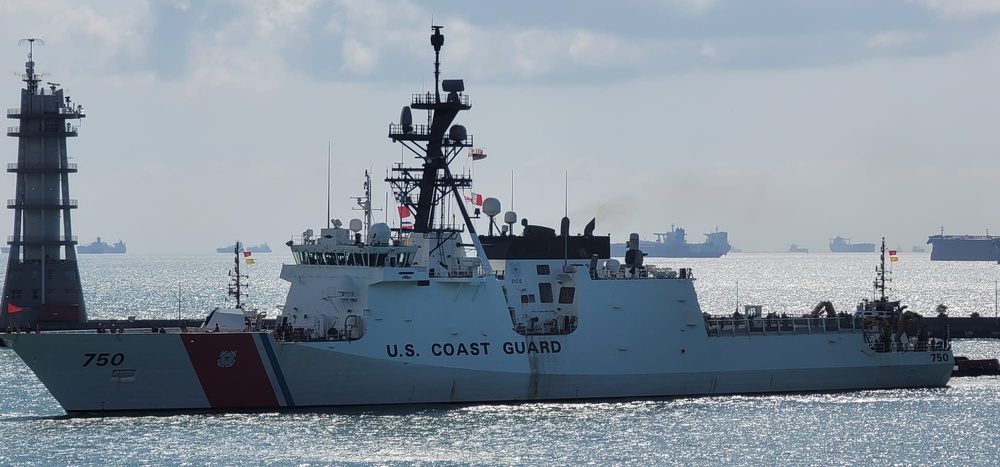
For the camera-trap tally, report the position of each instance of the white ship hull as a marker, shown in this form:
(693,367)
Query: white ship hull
(195,371)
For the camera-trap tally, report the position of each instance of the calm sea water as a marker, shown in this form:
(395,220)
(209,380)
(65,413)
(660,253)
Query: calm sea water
(953,425)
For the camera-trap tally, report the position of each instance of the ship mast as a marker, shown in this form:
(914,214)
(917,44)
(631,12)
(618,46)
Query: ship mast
(436,144)
(880,279)
(237,280)
(365,202)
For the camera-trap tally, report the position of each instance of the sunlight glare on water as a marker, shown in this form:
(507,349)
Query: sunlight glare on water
(953,425)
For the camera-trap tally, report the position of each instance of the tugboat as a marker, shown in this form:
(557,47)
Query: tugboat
(440,313)
(886,321)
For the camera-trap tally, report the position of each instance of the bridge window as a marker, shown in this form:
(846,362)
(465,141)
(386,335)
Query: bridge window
(542,269)
(545,292)
(566,294)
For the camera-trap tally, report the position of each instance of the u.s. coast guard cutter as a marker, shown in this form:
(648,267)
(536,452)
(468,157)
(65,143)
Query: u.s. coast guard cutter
(374,316)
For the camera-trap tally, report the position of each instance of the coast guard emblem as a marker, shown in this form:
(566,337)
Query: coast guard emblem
(227,358)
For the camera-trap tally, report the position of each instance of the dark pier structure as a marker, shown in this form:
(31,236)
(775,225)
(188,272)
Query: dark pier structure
(964,327)
(43,281)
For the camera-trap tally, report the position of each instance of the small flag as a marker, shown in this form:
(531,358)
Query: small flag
(404,210)
(892,252)
(477,154)
(249,260)
(406,225)
(893,259)
(11,308)
(246,254)
(476,199)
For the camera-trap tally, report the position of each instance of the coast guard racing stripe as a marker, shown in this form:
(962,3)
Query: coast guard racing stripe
(230,370)
(276,369)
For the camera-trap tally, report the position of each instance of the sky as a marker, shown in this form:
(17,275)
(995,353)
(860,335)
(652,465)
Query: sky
(777,121)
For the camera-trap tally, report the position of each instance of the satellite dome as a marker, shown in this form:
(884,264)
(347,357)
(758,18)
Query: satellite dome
(379,234)
(356,225)
(457,133)
(509,217)
(491,206)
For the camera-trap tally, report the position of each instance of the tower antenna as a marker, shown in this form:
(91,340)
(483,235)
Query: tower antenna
(31,43)
(437,40)
(329,151)
(29,68)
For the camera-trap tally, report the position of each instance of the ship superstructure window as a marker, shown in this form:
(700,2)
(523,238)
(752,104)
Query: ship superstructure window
(15,294)
(528,298)
(566,295)
(542,269)
(545,292)
(341,258)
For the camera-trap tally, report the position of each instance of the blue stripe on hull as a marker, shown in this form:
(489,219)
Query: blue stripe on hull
(266,343)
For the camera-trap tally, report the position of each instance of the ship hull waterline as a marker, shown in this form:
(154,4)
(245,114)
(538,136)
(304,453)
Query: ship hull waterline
(217,371)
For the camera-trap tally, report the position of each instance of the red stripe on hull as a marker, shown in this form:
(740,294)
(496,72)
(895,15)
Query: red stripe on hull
(230,370)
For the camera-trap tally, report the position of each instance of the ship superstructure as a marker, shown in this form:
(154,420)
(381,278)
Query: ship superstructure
(441,313)
(43,280)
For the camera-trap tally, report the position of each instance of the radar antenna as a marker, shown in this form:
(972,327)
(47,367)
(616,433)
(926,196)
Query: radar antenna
(237,280)
(29,67)
(365,202)
(437,40)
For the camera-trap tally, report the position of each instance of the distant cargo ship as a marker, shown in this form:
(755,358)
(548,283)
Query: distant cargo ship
(964,247)
(100,247)
(840,244)
(262,248)
(918,249)
(794,248)
(674,244)
(5,249)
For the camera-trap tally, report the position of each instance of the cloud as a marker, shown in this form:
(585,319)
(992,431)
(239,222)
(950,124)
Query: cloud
(358,58)
(693,6)
(961,8)
(891,39)
(708,50)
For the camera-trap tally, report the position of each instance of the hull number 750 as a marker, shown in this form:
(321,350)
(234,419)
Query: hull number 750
(103,359)
(939,357)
